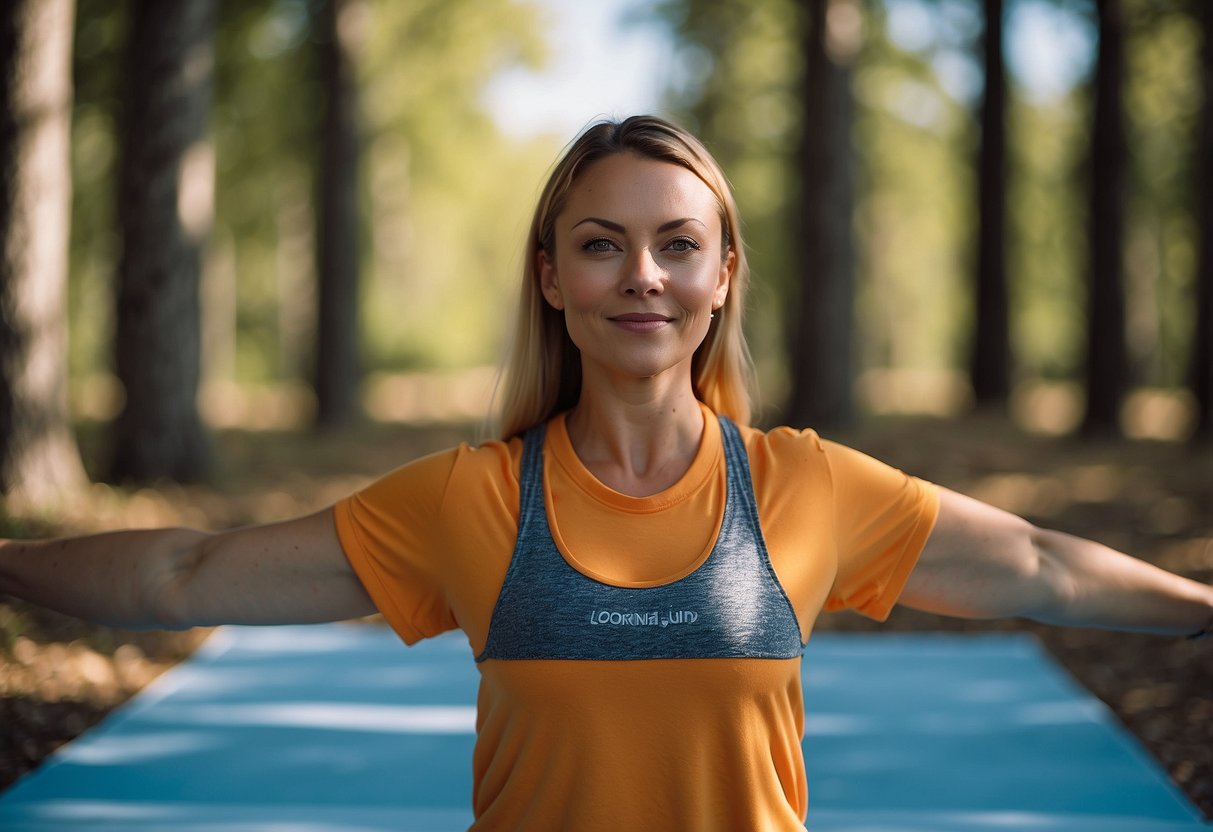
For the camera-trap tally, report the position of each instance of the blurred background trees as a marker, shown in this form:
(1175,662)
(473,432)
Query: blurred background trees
(338,210)
(342,31)
(1096,193)
(165,209)
(990,356)
(1107,350)
(39,463)
(1201,359)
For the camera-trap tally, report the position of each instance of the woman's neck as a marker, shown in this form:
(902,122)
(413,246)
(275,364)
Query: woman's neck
(638,441)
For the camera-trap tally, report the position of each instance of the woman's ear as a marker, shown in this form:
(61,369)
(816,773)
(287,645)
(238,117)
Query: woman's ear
(726,275)
(548,283)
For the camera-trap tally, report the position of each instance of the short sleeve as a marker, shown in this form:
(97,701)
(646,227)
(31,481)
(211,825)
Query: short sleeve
(431,541)
(882,519)
(389,534)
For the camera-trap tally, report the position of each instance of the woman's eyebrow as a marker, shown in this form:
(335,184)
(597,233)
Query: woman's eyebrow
(672,224)
(614,226)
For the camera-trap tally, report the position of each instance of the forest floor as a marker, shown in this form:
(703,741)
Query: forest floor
(59,676)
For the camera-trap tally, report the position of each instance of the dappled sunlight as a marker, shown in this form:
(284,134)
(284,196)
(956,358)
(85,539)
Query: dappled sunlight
(1154,413)
(927,392)
(104,506)
(421,397)
(330,716)
(463,396)
(1052,408)
(428,397)
(1020,493)
(75,671)
(1187,556)
(1096,483)
(1172,515)
(820,724)
(97,397)
(1050,494)
(125,750)
(280,406)
(1049,408)
(196,187)
(986,719)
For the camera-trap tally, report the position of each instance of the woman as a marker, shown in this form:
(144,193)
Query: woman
(635,568)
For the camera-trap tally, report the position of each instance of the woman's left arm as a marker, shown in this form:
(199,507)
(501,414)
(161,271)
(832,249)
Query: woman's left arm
(982,562)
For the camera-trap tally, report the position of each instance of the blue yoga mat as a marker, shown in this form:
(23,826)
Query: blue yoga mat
(339,727)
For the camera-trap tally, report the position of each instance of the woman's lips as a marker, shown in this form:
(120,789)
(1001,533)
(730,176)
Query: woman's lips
(640,321)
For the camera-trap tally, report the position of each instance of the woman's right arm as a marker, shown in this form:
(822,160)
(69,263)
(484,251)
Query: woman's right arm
(293,572)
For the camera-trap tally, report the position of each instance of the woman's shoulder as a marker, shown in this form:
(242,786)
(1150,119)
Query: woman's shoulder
(795,443)
(793,452)
(785,457)
(489,465)
(490,459)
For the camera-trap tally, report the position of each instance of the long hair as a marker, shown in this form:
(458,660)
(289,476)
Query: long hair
(542,375)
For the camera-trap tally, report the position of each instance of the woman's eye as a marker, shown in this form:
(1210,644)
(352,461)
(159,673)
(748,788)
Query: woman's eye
(683,244)
(600,244)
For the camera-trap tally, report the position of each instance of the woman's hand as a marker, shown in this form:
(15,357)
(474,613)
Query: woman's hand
(283,573)
(982,562)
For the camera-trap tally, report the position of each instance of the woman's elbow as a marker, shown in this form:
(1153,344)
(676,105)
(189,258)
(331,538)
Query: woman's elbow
(1051,590)
(165,590)
(982,562)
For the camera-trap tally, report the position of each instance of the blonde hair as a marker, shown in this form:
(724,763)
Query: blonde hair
(542,374)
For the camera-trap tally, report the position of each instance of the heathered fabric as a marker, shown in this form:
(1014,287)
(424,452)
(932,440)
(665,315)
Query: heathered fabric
(732,606)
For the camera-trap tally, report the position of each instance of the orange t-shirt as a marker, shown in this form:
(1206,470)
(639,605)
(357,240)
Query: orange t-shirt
(659,743)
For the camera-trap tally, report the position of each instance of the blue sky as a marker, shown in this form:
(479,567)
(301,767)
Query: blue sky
(600,64)
(604,62)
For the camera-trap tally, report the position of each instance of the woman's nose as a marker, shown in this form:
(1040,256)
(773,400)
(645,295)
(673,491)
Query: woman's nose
(644,275)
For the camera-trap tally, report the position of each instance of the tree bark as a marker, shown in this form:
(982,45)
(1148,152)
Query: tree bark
(166,183)
(990,369)
(1107,352)
(337,361)
(39,460)
(1202,337)
(822,320)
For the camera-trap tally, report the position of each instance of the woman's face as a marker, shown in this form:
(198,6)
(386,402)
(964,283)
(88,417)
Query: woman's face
(638,267)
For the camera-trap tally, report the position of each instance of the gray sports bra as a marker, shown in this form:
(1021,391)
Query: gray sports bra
(731,606)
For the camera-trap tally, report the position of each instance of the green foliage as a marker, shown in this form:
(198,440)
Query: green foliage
(450,197)
(1163,98)
(1046,219)
(97,73)
(915,216)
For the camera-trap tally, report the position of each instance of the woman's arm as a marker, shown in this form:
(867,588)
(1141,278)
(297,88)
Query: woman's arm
(982,562)
(282,573)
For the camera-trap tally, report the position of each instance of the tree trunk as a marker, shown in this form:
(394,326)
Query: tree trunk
(337,363)
(166,183)
(822,321)
(1107,361)
(39,460)
(990,369)
(1202,337)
